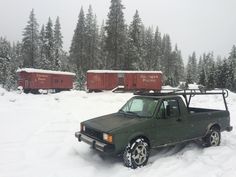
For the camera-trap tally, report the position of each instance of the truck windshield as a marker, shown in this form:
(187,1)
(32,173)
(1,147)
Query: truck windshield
(141,107)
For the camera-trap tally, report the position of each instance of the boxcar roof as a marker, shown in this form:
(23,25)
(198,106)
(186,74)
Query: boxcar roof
(32,70)
(121,71)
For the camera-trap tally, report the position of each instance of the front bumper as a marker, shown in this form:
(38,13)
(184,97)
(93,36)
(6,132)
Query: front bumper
(96,144)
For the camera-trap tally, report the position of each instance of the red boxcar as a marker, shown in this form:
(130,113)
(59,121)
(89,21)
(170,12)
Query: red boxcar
(98,80)
(31,80)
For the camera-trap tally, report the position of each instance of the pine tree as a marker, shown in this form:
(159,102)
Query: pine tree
(166,60)
(130,53)
(178,66)
(10,60)
(77,51)
(77,48)
(58,44)
(102,53)
(224,74)
(133,49)
(218,68)
(91,40)
(157,51)
(30,42)
(211,82)
(43,61)
(199,68)
(202,77)
(192,69)
(5,49)
(115,28)
(148,57)
(232,63)
(49,48)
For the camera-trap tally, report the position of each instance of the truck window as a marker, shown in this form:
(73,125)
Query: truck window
(169,109)
(144,107)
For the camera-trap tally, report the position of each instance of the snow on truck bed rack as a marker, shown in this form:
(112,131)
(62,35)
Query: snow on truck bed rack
(32,70)
(121,71)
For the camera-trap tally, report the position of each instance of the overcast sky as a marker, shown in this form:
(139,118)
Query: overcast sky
(195,25)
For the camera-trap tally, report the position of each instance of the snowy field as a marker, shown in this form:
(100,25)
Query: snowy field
(37,140)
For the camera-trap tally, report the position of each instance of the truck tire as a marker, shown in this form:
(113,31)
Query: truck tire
(136,153)
(212,138)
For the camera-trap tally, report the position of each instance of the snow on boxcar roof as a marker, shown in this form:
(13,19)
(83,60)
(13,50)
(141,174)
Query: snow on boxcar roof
(121,71)
(32,70)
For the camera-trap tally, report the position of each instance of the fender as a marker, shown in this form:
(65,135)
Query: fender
(211,125)
(139,134)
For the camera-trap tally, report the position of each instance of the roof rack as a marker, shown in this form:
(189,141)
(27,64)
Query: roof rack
(188,92)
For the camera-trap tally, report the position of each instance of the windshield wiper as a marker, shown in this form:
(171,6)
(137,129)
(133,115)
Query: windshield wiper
(133,113)
(121,111)
(128,112)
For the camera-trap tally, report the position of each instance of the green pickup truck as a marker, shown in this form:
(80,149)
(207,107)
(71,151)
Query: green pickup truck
(154,120)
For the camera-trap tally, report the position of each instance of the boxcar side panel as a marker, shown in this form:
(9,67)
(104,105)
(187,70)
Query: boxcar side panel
(130,81)
(61,81)
(41,81)
(67,82)
(95,81)
(149,81)
(110,81)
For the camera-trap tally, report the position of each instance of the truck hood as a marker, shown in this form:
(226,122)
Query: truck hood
(111,122)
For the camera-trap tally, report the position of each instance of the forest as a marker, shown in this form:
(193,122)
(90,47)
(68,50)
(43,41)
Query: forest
(114,45)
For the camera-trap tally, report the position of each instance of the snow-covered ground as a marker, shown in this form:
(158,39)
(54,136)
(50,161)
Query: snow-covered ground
(37,140)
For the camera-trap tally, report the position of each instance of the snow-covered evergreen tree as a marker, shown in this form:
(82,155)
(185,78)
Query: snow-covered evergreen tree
(130,53)
(149,58)
(30,42)
(134,55)
(10,60)
(58,44)
(102,62)
(5,49)
(157,51)
(43,62)
(232,67)
(192,69)
(91,41)
(211,81)
(49,47)
(166,60)
(178,72)
(77,48)
(115,29)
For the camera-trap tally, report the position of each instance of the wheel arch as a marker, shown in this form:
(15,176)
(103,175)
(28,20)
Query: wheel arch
(137,136)
(213,125)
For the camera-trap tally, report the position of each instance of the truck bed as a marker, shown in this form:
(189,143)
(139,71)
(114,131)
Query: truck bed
(193,110)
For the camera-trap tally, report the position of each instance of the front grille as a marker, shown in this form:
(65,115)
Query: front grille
(93,133)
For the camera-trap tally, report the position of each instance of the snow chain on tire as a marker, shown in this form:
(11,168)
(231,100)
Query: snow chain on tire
(136,153)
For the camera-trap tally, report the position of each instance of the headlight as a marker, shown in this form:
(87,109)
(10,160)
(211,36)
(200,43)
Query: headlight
(107,137)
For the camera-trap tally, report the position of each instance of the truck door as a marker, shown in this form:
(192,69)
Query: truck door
(170,126)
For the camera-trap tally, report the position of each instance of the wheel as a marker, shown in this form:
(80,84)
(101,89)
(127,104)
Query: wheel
(136,153)
(212,138)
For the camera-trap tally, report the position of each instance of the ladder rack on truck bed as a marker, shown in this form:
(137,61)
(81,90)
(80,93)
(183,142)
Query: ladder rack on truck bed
(188,92)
